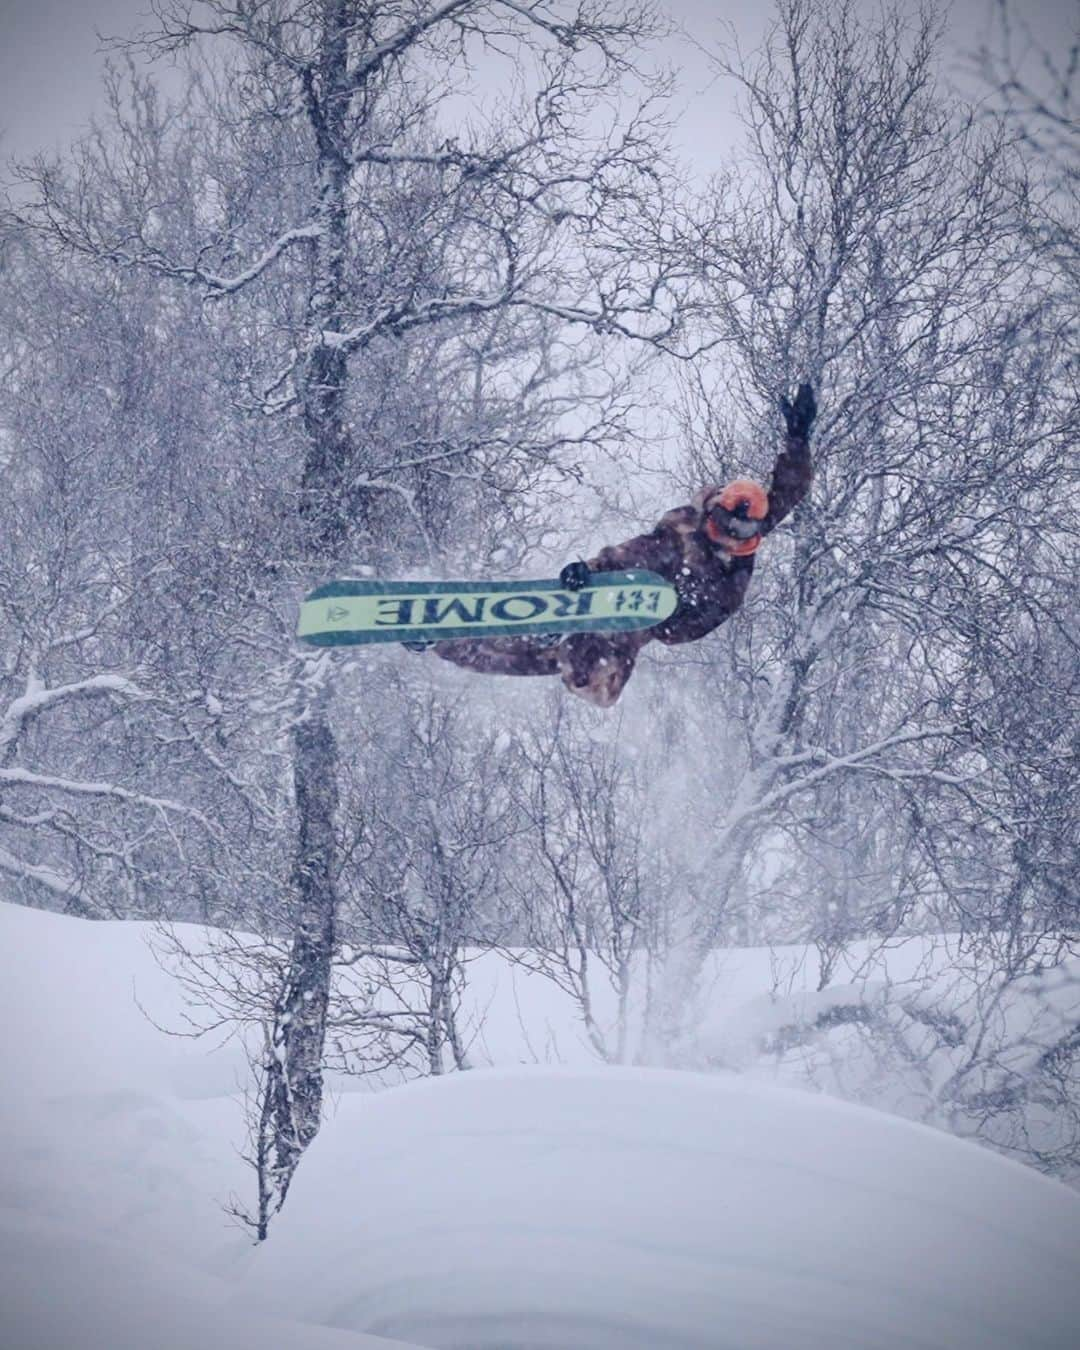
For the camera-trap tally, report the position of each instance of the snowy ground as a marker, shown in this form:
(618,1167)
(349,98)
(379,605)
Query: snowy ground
(516,1208)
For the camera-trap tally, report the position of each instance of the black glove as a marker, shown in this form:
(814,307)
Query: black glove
(574,575)
(800,415)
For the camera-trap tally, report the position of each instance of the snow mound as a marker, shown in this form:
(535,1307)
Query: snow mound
(523,1209)
(625,1209)
(118,1148)
(63,1291)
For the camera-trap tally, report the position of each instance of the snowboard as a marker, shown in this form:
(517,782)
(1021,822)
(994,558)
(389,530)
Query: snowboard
(358,611)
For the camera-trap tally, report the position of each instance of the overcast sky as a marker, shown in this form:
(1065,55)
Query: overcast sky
(50,61)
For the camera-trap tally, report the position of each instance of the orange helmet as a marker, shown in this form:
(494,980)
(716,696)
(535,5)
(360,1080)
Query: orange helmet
(733,516)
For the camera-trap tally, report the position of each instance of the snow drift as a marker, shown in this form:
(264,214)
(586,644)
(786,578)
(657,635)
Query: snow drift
(523,1208)
(535,1209)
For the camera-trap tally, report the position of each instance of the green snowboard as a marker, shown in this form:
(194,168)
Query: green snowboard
(350,612)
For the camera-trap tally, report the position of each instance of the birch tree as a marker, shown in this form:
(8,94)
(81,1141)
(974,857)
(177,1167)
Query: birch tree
(543,222)
(585,885)
(95,823)
(872,245)
(426,863)
(1034,90)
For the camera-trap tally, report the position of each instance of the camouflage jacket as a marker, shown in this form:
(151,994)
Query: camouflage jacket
(710,582)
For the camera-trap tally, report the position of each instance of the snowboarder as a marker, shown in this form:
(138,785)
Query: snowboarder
(706,550)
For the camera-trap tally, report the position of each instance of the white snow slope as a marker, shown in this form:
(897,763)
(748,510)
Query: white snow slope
(118,1148)
(517,1209)
(635,1208)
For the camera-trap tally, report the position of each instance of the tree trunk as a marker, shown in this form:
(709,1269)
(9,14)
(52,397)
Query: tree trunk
(294,1080)
(294,1077)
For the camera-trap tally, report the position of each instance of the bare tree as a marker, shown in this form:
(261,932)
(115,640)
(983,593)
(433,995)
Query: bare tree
(423,876)
(873,245)
(586,887)
(1035,91)
(94,823)
(332,221)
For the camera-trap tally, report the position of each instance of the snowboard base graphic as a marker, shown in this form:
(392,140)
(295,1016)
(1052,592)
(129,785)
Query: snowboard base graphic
(352,612)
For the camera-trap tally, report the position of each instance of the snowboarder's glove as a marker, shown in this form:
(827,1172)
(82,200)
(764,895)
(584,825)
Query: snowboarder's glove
(574,576)
(800,415)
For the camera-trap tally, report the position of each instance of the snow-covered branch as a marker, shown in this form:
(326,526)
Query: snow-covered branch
(217,286)
(37,698)
(79,788)
(821,764)
(64,888)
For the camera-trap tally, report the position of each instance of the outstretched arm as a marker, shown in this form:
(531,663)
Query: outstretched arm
(793,472)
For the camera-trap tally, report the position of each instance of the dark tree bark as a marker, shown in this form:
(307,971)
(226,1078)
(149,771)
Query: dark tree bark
(294,1083)
(294,1072)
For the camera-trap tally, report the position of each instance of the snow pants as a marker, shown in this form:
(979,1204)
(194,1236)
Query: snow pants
(595,666)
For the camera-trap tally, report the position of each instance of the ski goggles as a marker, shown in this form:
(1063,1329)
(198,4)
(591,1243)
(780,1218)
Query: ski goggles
(736,524)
